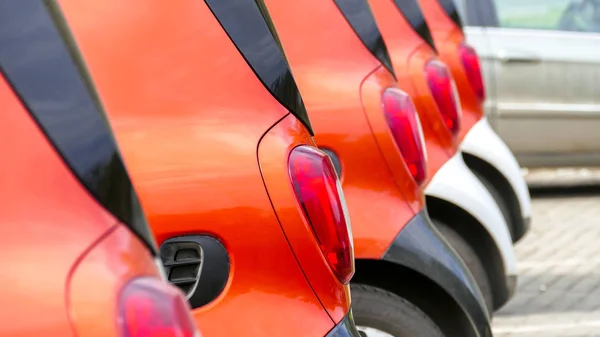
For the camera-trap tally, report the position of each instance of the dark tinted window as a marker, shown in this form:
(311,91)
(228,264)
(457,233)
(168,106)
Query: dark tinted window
(413,14)
(251,30)
(48,78)
(359,16)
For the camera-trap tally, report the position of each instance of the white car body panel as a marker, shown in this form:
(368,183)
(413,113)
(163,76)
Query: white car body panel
(483,142)
(455,183)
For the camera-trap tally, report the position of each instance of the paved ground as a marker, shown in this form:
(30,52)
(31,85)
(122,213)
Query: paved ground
(559,266)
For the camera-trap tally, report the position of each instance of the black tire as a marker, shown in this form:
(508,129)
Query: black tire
(473,262)
(500,201)
(385,311)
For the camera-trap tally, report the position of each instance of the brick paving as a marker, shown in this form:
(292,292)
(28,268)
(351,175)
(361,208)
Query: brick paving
(559,267)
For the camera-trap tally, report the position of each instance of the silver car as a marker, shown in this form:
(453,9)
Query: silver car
(541,61)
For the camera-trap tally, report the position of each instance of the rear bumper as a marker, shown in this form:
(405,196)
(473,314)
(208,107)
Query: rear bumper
(345,328)
(420,247)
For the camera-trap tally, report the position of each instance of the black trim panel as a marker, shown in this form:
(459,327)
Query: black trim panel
(420,247)
(359,16)
(45,74)
(414,15)
(214,270)
(450,8)
(345,328)
(249,26)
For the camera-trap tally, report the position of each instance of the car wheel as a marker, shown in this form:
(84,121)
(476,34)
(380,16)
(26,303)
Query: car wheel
(473,262)
(500,201)
(380,313)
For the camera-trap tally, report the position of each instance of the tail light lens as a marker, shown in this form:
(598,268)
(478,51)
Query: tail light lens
(470,62)
(150,307)
(444,92)
(319,192)
(405,127)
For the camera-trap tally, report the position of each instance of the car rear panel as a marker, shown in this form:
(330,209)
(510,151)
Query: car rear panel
(96,281)
(48,219)
(65,187)
(52,84)
(449,6)
(330,62)
(189,114)
(414,16)
(273,155)
(449,37)
(249,26)
(410,54)
(371,92)
(360,18)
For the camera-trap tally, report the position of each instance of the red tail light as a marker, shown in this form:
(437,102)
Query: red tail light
(151,308)
(319,192)
(470,62)
(405,126)
(444,92)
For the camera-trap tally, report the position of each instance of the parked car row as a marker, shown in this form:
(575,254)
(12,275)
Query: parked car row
(251,168)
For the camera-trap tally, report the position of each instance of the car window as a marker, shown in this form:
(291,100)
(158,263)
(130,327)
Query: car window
(559,15)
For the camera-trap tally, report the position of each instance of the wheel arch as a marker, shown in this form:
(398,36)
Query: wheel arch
(503,186)
(417,289)
(478,238)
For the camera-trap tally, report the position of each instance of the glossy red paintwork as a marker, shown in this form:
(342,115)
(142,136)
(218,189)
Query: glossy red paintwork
(448,38)
(55,234)
(273,158)
(410,54)
(341,83)
(191,117)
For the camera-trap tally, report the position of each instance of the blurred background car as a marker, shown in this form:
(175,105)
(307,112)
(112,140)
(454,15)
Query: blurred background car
(249,215)
(541,60)
(78,256)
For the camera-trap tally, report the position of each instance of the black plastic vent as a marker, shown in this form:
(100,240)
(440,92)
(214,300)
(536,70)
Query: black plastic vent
(198,265)
(183,264)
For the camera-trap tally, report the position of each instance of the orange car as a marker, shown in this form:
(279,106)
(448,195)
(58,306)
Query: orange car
(78,257)
(404,270)
(483,150)
(458,203)
(248,213)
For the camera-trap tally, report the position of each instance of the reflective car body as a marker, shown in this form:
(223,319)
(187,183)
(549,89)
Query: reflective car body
(455,196)
(484,152)
(75,240)
(207,114)
(342,69)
